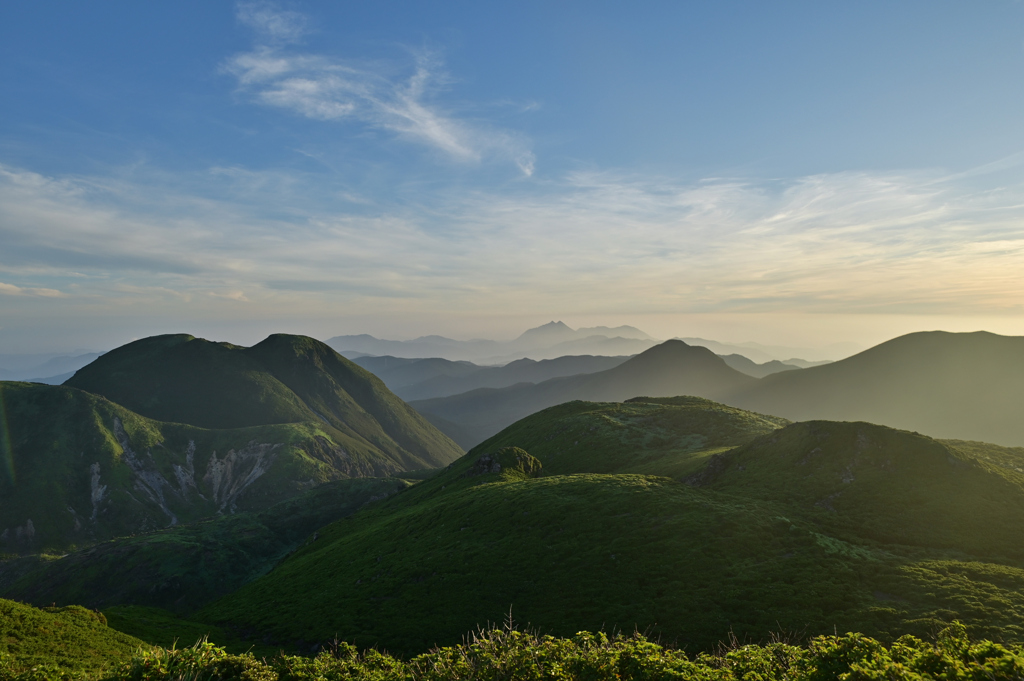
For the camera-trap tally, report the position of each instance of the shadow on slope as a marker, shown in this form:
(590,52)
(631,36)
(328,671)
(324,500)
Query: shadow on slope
(672,368)
(953,385)
(183,568)
(283,379)
(745,545)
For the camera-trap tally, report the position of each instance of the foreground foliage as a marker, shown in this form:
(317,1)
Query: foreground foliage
(514,655)
(61,640)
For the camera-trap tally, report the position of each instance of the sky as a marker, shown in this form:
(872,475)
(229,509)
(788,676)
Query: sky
(804,173)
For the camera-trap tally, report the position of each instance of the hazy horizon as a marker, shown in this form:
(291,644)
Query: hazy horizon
(788,174)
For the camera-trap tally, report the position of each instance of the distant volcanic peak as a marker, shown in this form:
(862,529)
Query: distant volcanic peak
(672,349)
(551,328)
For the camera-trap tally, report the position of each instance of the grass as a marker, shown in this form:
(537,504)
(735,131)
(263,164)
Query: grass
(182,568)
(514,655)
(290,407)
(690,521)
(657,436)
(808,527)
(71,638)
(284,379)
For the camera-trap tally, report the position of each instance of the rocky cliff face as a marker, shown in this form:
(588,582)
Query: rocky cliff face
(85,469)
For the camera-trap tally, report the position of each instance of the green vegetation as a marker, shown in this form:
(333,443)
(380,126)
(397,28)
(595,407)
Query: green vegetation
(84,469)
(69,639)
(868,482)
(666,436)
(950,385)
(79,468)
(513,655)
(182,568)
(283,379)
(672,368)
(809,528)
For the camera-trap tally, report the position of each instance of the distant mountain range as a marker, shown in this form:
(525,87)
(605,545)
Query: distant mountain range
(556,339)
(630,502)
(965,386)
(52,369)
(171,429)
(671,368)
(420,379)
(968,386)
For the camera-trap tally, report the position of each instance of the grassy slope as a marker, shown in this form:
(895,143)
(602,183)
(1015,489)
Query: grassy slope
(952,385)
(885,485)
(184,567)
(72,638)
(672,368)
(656,436)
(55,440)
(283,379)
(753,551)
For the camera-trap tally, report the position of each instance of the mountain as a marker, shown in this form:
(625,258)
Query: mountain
(424,346)
(225,432)
(672,368)
(549,341)
(416,379)
(554,333)
(765,353)
(75,640)
(807,527)
(888,486)
(751,368)
(80,469)
(283,379)
(29,367)
(954,385)
(669,436)
(183,567)
(51,380)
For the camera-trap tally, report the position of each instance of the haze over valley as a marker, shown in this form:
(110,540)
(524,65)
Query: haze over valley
(511,341)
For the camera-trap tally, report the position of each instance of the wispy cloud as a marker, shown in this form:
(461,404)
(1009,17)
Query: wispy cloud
(272,24)
(12,290)
(596,242)
(330,89)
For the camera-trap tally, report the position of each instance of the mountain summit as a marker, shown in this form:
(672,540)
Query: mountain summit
(172,429)
(283,379)
(954,385)
(666,370)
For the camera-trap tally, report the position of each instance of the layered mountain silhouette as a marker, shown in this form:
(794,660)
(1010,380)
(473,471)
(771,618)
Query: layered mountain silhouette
(283,379)
(955,385)
(672,368)
(549,341)
(171,429)
(557,339)
(967,386)
(416,379)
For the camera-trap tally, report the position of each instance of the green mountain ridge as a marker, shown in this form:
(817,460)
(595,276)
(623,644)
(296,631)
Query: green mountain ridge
(672,368)
(968,386)
(283,379)
(80,468)
(184,567)
(965,386)
(744,537)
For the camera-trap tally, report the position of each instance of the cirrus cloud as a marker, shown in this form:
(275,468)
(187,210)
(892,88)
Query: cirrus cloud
(330,89)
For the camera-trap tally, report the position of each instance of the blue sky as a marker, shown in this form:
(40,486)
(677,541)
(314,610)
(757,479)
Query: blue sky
(798,172)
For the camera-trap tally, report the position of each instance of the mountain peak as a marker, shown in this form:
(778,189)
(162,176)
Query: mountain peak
(552,331)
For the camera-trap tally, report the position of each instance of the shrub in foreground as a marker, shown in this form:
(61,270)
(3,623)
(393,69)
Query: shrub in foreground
(520,656)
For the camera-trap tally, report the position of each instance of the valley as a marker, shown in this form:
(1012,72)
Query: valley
(281,497)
